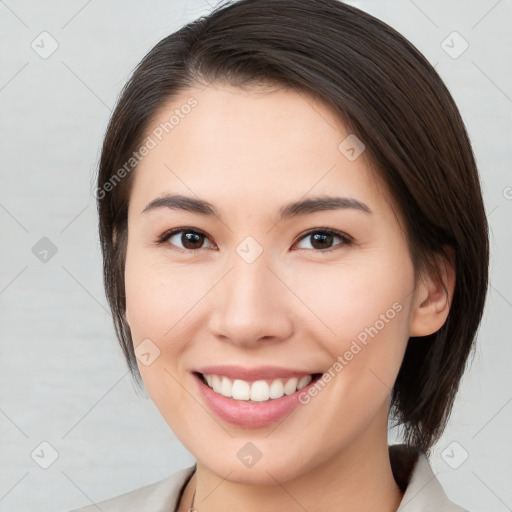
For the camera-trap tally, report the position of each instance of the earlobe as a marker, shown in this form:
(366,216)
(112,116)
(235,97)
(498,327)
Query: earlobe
(433,299)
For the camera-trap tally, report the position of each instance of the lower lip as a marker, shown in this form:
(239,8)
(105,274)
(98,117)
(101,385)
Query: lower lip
(250,414)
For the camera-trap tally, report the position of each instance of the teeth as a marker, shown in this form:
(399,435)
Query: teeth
(304,381)
(258,391)
(225,387)
(276,389)
(216,381)
(240,390)
(291,386)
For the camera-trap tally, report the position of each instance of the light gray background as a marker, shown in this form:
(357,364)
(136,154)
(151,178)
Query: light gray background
(62,376)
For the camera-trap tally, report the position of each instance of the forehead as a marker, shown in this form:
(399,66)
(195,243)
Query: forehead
(255,146)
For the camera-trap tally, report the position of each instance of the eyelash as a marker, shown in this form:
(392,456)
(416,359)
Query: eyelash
(346,240)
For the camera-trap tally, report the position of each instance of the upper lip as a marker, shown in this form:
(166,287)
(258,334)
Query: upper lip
(252,374)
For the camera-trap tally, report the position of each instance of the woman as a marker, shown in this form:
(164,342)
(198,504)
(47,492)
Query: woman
(295,251)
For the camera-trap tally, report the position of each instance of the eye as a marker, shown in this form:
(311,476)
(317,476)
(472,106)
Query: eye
(322,238)
(191,239)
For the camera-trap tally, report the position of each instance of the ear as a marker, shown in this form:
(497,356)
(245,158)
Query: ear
(433,300)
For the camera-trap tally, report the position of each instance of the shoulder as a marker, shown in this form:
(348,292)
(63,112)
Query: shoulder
(423,491)
(161,496)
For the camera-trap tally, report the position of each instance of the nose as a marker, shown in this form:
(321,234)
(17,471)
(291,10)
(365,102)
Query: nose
(252,303)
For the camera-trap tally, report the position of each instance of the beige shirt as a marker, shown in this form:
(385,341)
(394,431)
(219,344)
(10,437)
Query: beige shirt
(411,469)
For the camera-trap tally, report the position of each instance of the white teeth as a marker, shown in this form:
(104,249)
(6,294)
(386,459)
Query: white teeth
(225,387)
(291,386)
(258,391)
(304,381)
(276,389)
(241,390)
(216,382)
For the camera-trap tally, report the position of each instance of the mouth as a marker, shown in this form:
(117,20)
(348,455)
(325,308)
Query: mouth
(262,390)
(253,403)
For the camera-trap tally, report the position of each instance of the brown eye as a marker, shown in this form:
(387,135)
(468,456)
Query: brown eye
(191,240)
(184,239)
(322,239)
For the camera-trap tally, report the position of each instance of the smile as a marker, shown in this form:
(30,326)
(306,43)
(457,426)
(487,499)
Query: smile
(257,391)
(252,403)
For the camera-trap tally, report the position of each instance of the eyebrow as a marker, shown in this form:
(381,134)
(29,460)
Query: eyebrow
(294,209)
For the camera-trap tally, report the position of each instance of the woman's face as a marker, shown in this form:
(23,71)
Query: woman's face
(256,289)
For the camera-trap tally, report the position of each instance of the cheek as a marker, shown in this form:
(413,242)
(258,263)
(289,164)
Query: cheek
(363,316)
(348,298)
(157,294)
(343,299)
(157,301)
(165,304)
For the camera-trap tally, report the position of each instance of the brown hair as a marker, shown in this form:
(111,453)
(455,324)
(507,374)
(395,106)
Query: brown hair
(387,94)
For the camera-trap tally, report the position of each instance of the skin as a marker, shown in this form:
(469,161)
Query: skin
(249,152)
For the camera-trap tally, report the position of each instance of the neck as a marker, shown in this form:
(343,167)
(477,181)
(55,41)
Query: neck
(358,479)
